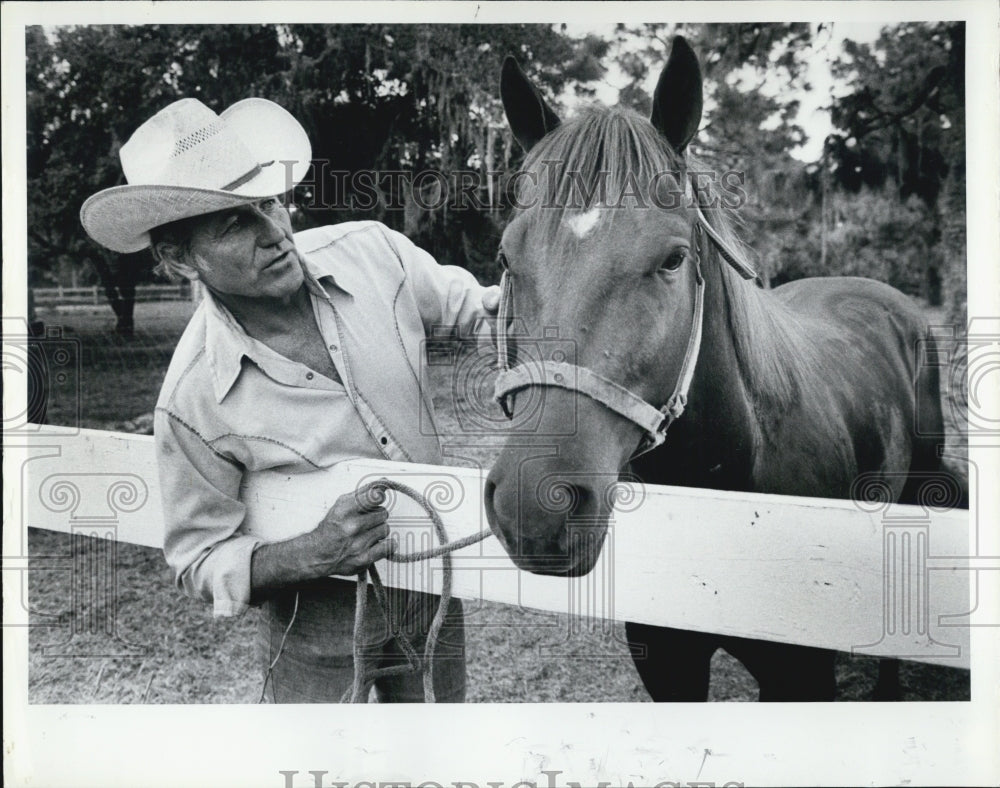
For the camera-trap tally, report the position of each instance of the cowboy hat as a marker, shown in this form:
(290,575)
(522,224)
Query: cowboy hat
(187,161)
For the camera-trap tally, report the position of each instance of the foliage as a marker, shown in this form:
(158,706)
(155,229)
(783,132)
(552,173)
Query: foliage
(413,98)
(908,95)
(372,97)
(885,201)
(902,128)
(867,235)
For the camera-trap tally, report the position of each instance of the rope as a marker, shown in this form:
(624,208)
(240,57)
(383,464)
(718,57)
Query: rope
(365,677)
(281,647)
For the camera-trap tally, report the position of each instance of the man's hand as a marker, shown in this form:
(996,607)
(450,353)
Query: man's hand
(491,299)
(486,336)
(350,538)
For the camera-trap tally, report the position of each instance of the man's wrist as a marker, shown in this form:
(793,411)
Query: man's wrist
(275,565)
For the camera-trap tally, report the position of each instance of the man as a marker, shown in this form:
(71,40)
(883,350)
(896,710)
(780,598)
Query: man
(304,352)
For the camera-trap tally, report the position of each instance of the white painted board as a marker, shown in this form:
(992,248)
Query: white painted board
(799,570)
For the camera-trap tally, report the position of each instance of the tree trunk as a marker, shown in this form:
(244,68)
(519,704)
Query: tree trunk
(119,282)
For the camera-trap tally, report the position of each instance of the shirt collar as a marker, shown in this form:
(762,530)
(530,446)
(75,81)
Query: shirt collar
(226,342)
(315,273)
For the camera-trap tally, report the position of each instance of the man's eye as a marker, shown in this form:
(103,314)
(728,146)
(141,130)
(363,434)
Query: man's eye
(269,204)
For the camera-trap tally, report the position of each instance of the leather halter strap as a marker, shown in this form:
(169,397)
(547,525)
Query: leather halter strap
(652,420)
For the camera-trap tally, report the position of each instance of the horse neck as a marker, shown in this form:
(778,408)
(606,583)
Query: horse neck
(742,373)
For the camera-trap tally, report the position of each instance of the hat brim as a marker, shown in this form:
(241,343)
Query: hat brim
(121,217)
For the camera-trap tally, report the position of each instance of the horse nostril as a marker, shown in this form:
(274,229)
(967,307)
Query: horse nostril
(566,498)
(489,494)
(584,498)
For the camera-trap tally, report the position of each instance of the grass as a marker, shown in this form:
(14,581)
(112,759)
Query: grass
(169,649)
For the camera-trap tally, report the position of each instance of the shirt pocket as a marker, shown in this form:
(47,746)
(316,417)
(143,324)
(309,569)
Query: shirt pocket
(293,429)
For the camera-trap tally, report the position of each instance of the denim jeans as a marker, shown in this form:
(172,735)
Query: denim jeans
(317,662)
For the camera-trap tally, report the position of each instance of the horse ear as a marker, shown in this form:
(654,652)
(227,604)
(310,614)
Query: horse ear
(677,101)
(527,113)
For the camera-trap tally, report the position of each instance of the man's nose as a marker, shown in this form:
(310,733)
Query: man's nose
(269,230)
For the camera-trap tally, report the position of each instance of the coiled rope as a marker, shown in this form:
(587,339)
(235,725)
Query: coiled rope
(364,675)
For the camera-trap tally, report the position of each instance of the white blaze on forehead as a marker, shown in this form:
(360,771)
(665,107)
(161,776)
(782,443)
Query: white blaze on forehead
(583,223)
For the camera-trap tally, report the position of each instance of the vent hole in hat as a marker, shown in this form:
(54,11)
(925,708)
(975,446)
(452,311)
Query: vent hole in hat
(197,137)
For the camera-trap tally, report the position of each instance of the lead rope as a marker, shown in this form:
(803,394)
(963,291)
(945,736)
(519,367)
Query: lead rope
(365,677)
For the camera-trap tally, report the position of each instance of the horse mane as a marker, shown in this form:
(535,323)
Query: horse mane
(622,147)
(775,355)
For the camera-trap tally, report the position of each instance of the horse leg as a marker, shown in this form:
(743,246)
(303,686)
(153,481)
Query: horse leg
(672,663)
(785,672)
(887,687)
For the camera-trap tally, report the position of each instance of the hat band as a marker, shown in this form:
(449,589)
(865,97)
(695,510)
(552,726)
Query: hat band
(247,177)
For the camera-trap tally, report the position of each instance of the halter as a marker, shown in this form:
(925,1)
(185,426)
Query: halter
(654,421)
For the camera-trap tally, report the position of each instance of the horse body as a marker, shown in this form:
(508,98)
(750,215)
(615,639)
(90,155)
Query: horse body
(838,397)
(797,390)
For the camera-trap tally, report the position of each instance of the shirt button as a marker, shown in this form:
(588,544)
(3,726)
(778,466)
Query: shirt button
(309,376)
(333,348)
(384,440)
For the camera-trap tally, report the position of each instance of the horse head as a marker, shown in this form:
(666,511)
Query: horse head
(603,281)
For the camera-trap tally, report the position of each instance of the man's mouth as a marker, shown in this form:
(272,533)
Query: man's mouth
(282,258)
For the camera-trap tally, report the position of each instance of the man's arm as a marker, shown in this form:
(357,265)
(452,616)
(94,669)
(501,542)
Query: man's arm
(446,295)
(350,538)
(214,561)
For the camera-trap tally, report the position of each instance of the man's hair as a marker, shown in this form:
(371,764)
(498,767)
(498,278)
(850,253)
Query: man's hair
(178,234)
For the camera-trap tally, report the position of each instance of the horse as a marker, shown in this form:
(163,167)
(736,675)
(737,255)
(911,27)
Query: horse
(797,390)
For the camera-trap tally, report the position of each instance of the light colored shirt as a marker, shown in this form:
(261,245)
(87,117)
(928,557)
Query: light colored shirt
(230,405)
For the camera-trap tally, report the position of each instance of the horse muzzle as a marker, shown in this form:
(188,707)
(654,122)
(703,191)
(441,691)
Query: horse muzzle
(550,524)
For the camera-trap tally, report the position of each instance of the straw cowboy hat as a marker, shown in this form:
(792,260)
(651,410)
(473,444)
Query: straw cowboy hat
(187,161)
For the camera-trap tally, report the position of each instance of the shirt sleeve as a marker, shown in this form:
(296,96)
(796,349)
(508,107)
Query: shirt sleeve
(446,295)
(202,515)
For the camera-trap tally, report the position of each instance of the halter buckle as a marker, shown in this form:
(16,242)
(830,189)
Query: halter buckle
(675,407)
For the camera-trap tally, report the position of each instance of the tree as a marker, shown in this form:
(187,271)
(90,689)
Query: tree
(425,99)
(374,97)
(88,88)
(902,127)
(751,73)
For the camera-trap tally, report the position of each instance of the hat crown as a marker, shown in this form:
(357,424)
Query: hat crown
(185,144)
(186,161)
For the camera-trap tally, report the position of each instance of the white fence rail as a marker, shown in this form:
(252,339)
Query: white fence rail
(887,580)
(66,296)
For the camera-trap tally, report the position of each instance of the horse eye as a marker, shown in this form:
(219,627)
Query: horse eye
(675,260)
(502,260)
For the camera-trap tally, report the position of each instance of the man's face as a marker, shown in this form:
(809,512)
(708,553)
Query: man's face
(247,251)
